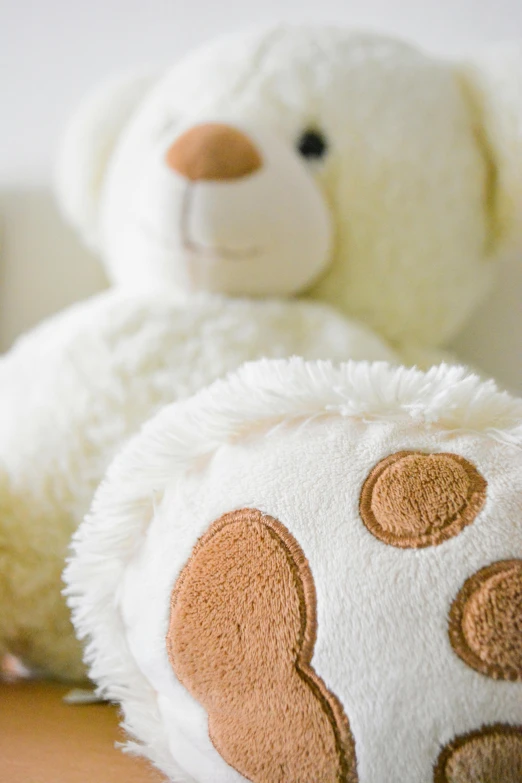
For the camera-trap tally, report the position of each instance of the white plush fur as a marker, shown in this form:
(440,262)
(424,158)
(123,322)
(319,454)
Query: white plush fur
(75,389)
(422,176)
(493,81)
(85,150)
(399,219)
(296,440)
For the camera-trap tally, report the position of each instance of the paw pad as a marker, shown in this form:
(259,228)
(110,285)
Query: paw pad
(491,755)
(486,621)
(411,499)
(241,637)
(242,631)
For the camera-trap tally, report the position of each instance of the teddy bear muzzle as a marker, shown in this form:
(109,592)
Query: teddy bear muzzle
(232,208)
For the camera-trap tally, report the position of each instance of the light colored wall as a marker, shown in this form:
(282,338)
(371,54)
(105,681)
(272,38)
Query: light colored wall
(52,51)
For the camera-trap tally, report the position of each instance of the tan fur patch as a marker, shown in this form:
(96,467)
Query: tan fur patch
(411,499)
(213,151)
(491,755)
(485,627)
(241,636)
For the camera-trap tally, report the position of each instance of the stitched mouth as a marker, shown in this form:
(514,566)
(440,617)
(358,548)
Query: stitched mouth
(197,249)
(210,252)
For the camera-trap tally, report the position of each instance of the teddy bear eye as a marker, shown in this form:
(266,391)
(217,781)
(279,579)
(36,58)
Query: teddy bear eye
(312,145)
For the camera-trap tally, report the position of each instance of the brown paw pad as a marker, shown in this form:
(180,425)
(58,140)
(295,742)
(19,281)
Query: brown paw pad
(241,637)
(486,621)
(491,755)
(412,500)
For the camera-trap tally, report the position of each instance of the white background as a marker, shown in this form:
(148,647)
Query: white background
(53,51)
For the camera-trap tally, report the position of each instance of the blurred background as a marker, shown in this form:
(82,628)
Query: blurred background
(53,51)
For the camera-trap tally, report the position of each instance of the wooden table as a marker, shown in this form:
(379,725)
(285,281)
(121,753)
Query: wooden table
(43,740)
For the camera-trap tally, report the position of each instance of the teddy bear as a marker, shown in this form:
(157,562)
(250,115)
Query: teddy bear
(307,191)
(314,573)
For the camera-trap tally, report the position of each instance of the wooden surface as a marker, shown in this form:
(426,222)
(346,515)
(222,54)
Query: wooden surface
(43,740)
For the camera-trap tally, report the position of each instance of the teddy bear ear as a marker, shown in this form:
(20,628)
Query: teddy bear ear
(87,145)
(493,83)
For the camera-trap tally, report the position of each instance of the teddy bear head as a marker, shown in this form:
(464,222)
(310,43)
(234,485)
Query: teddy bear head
(289,160)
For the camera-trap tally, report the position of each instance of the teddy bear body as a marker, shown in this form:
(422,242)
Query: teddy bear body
(76,388)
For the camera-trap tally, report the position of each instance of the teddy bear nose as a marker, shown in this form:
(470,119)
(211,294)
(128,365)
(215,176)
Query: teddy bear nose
(213,151)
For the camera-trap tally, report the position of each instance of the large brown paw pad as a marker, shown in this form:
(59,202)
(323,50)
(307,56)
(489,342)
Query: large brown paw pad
(491,755)
(413,500)
(486,621)
(241,637)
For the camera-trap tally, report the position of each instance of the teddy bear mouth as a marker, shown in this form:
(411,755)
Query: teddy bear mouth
(200,250)
(218,252)
(206,251)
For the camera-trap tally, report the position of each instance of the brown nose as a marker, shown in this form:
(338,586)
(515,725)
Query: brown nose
(213,152)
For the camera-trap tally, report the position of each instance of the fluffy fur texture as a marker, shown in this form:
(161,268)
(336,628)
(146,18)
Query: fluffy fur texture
(297,441)
(421,174)
(75,389)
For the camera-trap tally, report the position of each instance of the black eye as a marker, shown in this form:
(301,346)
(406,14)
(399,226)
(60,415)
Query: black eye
(312,145)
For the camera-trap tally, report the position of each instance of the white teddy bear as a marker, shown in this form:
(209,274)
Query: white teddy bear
(347,167)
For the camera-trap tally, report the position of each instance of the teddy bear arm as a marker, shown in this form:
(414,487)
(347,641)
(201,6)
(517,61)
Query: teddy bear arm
(34,620)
